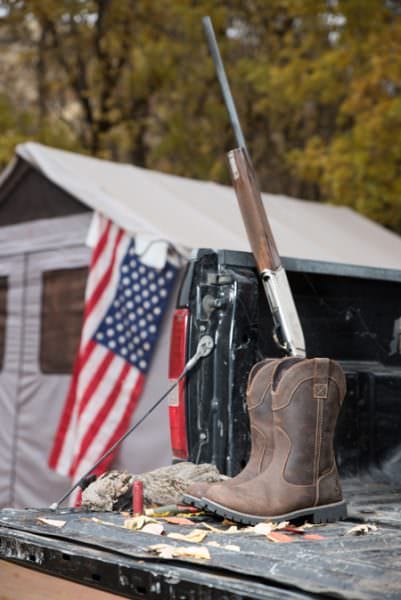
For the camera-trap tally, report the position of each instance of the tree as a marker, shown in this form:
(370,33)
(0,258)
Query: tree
(317,84)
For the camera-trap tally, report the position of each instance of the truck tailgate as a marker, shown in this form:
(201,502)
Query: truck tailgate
(118,560)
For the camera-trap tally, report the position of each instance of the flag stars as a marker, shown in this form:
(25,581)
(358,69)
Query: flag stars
(130,326)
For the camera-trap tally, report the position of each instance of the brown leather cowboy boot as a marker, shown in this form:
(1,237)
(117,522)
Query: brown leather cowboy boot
(258,399)
(301,480)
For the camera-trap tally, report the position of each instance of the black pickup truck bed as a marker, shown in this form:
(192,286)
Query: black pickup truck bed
(350,314)
(117,560)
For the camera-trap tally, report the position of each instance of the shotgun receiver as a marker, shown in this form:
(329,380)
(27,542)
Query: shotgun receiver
(287,327)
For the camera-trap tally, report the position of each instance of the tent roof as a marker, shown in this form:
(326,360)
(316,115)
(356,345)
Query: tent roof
(203,214)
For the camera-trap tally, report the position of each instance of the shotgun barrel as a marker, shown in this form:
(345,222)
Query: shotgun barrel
(287,327)
(224,85)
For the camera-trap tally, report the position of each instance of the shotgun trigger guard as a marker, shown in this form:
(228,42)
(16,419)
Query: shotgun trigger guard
(277,337)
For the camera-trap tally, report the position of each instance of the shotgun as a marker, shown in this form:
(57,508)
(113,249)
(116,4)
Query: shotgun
(287,327)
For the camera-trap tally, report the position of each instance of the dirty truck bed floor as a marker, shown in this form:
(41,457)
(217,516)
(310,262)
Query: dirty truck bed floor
(117,560)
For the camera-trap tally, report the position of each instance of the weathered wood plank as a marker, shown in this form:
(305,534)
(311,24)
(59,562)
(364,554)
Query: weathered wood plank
(18,582)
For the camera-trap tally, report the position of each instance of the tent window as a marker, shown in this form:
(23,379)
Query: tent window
(62,310)
(3,317)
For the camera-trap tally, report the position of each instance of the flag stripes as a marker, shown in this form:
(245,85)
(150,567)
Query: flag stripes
(124,303)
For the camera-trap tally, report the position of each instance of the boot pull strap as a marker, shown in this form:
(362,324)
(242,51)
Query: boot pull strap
(321,378)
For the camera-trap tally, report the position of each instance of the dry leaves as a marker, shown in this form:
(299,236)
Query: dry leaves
(53,522)
(361,529)
(138,523)
(178,520)
(313,537)
(231,547)
(155,528)
(211,528)
(172,509)
(196,536)
(167,551)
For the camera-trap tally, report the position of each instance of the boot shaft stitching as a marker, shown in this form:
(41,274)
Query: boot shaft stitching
(276,407)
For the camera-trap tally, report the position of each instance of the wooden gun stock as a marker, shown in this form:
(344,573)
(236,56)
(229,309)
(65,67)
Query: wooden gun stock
(287,328)
(253,213)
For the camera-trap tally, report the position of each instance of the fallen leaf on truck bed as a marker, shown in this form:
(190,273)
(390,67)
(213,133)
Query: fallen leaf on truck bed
(361,529)
(211,528)
(138,522)
(178,520)
(276,536)
(155,528)
(313,537)
(53,522)
(166,551)
(231,547)
(197,536)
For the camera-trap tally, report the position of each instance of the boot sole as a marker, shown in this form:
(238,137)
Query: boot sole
(327,513)
(193,501)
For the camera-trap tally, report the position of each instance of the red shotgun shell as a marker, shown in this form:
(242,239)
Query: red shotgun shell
(137,498)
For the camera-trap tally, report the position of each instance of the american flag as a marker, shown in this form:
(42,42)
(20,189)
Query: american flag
(124,305)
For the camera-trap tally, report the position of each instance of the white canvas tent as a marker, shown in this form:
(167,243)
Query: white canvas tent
(46,201)
(203,214)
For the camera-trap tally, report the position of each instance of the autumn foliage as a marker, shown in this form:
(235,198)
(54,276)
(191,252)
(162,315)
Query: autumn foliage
(317,84)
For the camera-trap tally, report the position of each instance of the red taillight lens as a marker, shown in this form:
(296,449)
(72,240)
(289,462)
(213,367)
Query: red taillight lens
(177,413)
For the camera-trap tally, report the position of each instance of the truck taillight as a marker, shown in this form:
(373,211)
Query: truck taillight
(177,412)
